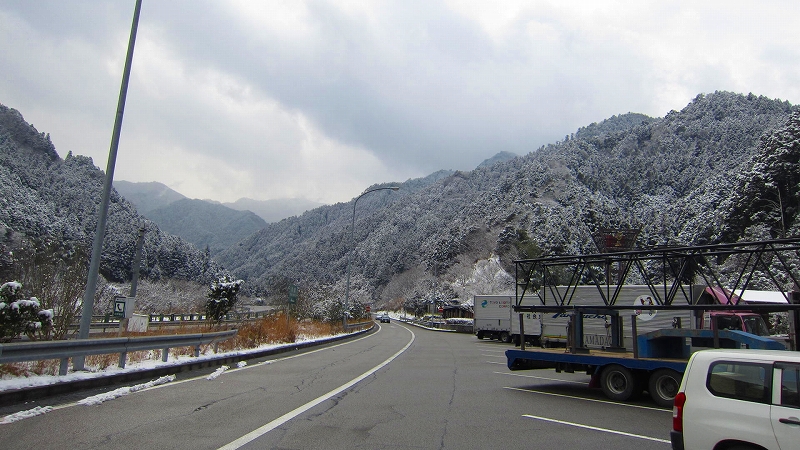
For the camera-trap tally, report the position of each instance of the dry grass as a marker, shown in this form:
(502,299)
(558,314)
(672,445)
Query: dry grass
(270,330)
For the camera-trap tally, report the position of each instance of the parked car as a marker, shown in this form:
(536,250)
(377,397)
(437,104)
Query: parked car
(384,318)
(738,399)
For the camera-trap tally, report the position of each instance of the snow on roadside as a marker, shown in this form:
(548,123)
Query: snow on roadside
(217,372)
(116,393)
(39,410)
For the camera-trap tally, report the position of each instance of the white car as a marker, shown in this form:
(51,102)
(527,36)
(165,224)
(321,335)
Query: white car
(738,400)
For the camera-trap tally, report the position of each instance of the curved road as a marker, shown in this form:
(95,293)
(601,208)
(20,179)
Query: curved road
(401,387)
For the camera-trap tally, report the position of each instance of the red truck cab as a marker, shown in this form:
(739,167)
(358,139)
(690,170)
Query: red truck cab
(740,320)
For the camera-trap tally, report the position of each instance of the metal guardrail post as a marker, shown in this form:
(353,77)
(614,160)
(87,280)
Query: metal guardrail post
(63,366)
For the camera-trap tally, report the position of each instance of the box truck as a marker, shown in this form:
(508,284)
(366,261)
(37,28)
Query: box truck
(495,319)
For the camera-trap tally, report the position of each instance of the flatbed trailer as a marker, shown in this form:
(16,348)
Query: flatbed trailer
(656,364)
(671,275)
(618,374)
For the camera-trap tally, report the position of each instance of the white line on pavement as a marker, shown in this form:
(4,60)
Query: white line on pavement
(542,378)
(589,427)
(266,428)
(588,399)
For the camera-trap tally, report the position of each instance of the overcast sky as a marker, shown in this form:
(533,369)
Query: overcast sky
(321,99)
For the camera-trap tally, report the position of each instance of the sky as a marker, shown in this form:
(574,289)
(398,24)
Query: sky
(322,99)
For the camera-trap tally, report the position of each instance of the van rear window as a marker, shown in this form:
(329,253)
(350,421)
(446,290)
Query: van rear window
(790,385)
(743,381)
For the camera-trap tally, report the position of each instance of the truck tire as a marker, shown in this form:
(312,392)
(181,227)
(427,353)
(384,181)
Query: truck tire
(663,386)
(504,337)
(480,335)
(618,383)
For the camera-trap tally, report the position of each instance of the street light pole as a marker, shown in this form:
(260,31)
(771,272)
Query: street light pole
(97,248)
(352,248)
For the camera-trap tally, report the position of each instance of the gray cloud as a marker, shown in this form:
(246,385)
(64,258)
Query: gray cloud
(320,99)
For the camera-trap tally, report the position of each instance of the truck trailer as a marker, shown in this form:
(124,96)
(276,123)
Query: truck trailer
(496,319)
(654,361)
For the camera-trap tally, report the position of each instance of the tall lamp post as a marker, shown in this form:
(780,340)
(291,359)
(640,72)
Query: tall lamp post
(349,253)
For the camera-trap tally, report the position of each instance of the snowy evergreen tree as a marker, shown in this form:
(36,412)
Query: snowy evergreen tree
(222,296)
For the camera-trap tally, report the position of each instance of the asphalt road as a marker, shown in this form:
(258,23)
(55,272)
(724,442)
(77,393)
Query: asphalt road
(401,387)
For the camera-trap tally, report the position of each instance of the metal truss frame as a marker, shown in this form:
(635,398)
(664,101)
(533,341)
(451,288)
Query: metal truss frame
(669,272)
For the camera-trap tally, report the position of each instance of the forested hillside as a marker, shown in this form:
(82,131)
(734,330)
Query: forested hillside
(686,178)
(205,224)
(49,205)
(723,169)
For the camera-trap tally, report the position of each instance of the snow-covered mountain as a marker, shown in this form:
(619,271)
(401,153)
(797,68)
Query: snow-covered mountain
(724,168)
(48,211)
(685,178)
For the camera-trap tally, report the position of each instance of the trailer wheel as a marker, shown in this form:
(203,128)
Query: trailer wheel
(663,386)
(480,335)
(617,383)
(505,337)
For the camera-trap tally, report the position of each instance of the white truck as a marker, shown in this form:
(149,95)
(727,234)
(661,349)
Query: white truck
(495,319)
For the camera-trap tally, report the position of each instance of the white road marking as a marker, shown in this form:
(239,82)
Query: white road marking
(589,427)
(588,399)
(542,378)
(266,428)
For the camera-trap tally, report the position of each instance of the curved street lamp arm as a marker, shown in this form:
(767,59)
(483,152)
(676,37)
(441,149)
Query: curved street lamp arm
(350,252)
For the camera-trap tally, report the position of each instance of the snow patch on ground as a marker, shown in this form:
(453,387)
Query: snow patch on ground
(116,393)
(217,372)
(39,410)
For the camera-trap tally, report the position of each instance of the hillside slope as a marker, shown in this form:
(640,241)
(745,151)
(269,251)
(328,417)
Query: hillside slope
(47,202)
(205,224)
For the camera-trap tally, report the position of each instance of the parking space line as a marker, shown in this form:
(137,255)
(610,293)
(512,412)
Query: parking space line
(589,427)
(543,378)
(532,391)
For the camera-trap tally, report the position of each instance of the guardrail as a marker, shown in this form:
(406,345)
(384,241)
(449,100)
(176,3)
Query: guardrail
(64,350)
(107,321)
(184,317)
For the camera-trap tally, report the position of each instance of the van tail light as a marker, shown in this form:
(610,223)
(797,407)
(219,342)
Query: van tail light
(677,411)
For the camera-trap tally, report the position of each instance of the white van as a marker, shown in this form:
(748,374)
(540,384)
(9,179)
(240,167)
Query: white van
(738,399)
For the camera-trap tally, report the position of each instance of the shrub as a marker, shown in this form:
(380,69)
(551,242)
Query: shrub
(18,315)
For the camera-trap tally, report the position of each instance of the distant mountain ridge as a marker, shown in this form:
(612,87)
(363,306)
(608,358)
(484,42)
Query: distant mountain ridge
(206,224)
(147,196)
(274,210)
